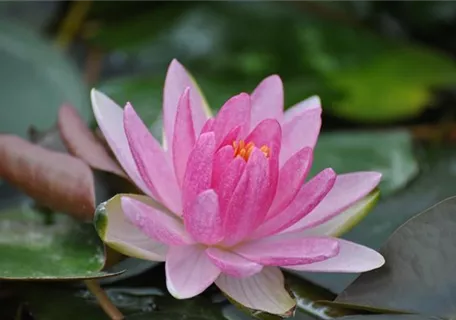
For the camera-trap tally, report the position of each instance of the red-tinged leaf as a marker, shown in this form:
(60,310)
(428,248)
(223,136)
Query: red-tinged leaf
(82,142)
(54,179)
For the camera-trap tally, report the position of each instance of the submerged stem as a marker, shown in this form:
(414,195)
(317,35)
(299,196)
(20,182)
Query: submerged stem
(106,304)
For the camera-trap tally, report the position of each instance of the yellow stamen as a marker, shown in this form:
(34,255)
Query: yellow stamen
(245,150)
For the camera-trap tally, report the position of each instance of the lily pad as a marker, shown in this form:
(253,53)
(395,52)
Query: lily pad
(36,80)
(37,246)
(388,152)
(418,274)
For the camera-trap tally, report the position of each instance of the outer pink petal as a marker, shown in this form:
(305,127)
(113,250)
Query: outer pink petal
(308,197)
(300,131)
(228,182)
(264,291)
(267,100)
(110,120)
(280,251)
(246,208)
(223,157)
(203,220)
(184,136)
(348,189)
(297,109)
(189,271)
(233,264)
(198,175)
(235,112)
(291,178)
(151,161)
(269,133)
(157,224)
(352,257)
(177,79)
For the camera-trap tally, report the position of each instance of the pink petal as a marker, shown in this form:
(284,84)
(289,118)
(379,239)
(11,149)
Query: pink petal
(228,182)
(184,136)
(269,133)
(233,264)
(280,251)
(235,112)
(189,271)
(151,161)
(208,126)
(177,80)
(155,223)
(352,257)
(300,131)
(310,103)
(291,178)
(348,189)
(117,231)
(110,120)
(198,175)
(267,100)
(223,157)
(246,207)
(203,220)
(308,197)
(264,291)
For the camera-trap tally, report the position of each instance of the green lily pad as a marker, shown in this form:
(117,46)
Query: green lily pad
(37,246)
(388,152)
(37,80)
(418,274)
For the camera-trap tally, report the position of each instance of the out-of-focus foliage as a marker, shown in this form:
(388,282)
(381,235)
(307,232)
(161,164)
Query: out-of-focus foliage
(36,80)
(360,75)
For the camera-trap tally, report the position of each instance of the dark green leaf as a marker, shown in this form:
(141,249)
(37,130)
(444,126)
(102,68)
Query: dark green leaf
(418,274)
(35,246)
(389,152)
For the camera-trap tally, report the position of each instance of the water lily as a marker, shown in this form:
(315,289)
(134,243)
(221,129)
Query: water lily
(226,199)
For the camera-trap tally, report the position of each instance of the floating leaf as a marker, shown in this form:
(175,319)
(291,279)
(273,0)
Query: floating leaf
(388,152)
(54,179)
(418,274)
(34,246)
(37,80)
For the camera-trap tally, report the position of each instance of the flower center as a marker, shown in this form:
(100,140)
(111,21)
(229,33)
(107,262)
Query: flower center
(244,150)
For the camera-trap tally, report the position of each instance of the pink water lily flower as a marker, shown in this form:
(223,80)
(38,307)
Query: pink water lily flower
(226,197)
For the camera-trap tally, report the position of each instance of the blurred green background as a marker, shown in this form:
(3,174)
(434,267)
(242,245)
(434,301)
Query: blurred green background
(372,63)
